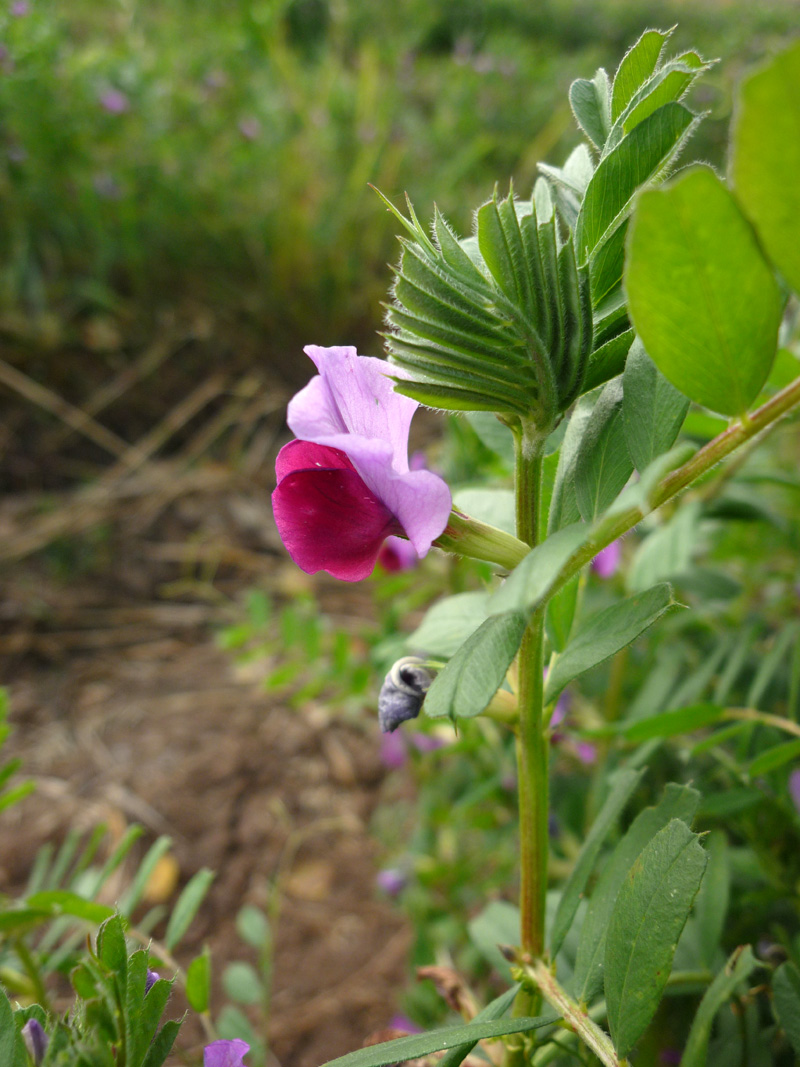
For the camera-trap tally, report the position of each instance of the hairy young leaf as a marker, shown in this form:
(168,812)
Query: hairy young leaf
(703,300)
(765,158)
(636,67)
(603,464)
(652,408)
(650,912)
(639,158)
(591,105)
(678,802)
(624,783)
(738,968)
(605,633)
(469,681)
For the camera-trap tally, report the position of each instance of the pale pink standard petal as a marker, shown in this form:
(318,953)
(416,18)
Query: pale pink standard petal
(354,395)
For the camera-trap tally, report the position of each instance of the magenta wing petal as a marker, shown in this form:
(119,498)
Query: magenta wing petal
(305,455)
(330,521)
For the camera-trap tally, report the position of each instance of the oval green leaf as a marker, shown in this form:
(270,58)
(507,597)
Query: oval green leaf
(701,296)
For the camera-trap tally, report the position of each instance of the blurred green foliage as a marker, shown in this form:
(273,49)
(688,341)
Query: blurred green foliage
(217,156)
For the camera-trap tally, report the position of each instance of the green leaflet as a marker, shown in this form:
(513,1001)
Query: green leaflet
(701,296)
(650,912)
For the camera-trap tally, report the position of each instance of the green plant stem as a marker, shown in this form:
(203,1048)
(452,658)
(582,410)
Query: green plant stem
(32,971)
(532,742)
(573,1014)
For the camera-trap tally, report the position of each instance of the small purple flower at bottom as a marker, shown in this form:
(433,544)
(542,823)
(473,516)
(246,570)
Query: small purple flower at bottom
(606,562)
(225,1053)
(36,1040)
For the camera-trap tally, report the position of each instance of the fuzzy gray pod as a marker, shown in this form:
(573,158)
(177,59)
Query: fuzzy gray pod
(402,693)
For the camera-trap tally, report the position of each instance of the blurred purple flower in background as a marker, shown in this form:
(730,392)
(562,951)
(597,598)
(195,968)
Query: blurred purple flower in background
(426,742)
(345,484)
(393,750)
(225,1053)
(36,1040)
(391,880)
(586,752)
(606,562)
(250,129)
(794,788)
(114,102)
(20,8)
(402,1022)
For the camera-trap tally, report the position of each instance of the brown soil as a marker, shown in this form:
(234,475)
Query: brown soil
(125,710)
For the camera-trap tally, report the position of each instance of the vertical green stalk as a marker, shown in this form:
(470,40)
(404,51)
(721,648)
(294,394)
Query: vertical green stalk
(532,742)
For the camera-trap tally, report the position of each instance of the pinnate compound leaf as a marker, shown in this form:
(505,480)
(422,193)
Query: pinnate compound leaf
(701,296)
(650,912)
(449,1037)
(605,633)
(786,1002)
(639,158)
(653,409)
(602,465)
(187,906)
(765,159)
(678,802)
(623,786)
(738,968)
(469,681)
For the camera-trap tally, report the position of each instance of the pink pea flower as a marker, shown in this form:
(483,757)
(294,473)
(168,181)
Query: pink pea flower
(391,880)
(345,485)
(397,554)
(114,101)
(225,1053)
(606,562)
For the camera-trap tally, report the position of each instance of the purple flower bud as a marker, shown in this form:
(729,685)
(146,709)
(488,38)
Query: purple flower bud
(36,1040)
(402,693)
(606,562)
(150,980)
(794,788)
(114,102)
(391,880)
(225,1053)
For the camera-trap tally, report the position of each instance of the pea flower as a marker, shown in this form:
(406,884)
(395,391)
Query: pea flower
(225,1053)
(36,1040)
(345,484)
(606,562)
